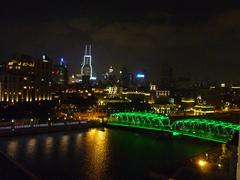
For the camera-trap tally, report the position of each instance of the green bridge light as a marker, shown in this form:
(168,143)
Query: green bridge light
(213,130)
(176,133)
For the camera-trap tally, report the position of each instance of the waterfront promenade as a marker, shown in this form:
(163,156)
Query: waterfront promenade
(13,130)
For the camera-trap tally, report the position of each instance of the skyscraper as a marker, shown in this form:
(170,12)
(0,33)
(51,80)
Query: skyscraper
(141,79)
(124,77)
(43,78)
(60,74)
(86,69)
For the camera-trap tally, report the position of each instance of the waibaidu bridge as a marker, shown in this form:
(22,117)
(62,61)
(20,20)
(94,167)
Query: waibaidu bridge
(207,129)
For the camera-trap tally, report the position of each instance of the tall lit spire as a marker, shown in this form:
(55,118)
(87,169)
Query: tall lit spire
(90,50)
(86,69)
(61,61)
(86,47)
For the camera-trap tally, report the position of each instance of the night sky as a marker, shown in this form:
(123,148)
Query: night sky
(199,39)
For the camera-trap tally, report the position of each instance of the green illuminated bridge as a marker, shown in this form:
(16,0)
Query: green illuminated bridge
(213,130)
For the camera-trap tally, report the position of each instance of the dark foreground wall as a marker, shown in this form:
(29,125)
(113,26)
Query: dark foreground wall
(10,169)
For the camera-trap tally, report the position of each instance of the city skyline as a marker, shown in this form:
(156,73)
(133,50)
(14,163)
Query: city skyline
(120,90)
(97,75)
(192,39)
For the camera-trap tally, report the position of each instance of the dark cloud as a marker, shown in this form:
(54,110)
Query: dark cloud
(211,45)
(202,40)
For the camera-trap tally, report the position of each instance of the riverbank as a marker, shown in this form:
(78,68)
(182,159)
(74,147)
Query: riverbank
(47,128)
(10,168)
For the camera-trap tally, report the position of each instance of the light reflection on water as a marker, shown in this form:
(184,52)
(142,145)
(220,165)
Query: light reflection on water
(78,138)
(48,146)
(31,147)
(12,148)
(97,153)
(64,142)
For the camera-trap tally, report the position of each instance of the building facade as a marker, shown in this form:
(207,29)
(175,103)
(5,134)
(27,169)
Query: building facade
(59,76)
(86,69)
(43,79)
(25,79)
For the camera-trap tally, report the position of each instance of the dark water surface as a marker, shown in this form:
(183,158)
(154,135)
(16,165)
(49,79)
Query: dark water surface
(98,154)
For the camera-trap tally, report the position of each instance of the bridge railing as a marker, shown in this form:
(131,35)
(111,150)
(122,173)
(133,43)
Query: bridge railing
(202,128)
(140,119)
(205,127)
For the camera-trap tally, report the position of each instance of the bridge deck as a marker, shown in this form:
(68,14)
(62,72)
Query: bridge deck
(175,133)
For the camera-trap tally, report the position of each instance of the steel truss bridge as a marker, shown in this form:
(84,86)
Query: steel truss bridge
(207,129)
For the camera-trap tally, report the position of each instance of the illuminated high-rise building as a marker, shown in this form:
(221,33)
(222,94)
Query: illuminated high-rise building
(87,69)
(110,70)
(141,79)
(124,79)
(26,79)
(43,79)
(109,78)
(60,75)
(17,80)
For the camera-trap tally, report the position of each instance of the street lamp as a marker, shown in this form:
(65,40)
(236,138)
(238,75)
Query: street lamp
(31,122)
(13,127)
(202,163)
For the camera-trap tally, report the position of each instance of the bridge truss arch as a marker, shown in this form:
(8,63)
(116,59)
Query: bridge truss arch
(206,128)
(140,119)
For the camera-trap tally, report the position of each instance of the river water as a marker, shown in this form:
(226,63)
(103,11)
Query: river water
(99,153)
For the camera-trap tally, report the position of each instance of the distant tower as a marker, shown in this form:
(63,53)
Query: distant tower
(61,62)
(59,75)
(86,69)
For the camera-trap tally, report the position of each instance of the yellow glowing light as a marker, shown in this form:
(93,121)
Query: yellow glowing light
(226,108)
(187,101)
(202,163)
